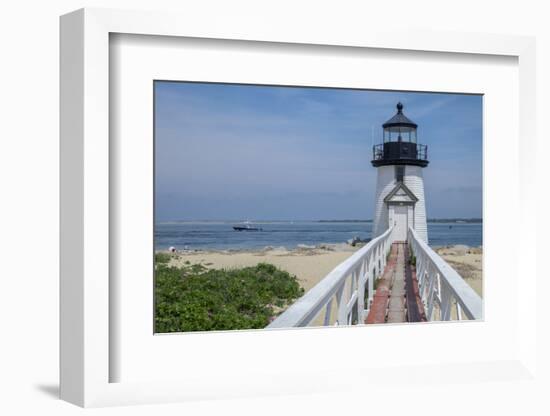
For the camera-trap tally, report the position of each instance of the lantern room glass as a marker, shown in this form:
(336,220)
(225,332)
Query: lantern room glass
(394,133)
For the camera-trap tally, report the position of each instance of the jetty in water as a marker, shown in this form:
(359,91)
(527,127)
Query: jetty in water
(396,277)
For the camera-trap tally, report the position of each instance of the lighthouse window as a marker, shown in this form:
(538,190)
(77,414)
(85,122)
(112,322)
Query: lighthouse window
(399,173)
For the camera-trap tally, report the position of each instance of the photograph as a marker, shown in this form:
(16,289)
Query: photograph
(282,207)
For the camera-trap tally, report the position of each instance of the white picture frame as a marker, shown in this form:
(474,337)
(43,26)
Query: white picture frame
(86,335)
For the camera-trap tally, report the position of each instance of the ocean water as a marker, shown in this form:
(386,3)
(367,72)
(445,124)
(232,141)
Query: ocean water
(221,236)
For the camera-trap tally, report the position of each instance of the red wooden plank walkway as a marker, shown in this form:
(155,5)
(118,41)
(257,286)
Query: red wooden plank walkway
(397,298)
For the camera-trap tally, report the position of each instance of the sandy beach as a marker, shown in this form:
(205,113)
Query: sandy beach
(467,261)
(311,264)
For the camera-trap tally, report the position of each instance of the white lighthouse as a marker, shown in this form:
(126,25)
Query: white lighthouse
(400,184)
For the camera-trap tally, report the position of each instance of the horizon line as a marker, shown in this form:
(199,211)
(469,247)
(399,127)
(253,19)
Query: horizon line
(478,219)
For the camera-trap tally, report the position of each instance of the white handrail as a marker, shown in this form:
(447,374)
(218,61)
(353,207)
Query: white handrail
(441,287)
(347,284)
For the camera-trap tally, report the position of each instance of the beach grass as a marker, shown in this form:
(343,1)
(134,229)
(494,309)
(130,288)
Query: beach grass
(192,297)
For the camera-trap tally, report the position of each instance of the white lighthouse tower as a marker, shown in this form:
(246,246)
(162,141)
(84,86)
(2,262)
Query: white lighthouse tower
(400,184)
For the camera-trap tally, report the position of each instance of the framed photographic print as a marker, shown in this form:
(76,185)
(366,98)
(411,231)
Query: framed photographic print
(247,215)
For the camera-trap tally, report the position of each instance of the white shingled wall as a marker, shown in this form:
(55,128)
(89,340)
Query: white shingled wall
(385,183)
(414,180)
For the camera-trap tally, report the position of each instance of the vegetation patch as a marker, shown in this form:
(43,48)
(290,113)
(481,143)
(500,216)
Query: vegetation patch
(162,258)
(194,298)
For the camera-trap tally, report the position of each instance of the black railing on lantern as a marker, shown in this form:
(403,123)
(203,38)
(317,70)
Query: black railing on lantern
(399,153)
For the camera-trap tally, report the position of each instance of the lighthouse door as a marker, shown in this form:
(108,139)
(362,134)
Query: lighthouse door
(400,222)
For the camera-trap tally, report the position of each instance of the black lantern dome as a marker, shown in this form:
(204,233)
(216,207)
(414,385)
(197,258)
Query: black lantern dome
(400,145)
(399,121)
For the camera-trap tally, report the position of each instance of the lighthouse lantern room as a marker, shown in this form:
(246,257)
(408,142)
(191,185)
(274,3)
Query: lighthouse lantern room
(399,160)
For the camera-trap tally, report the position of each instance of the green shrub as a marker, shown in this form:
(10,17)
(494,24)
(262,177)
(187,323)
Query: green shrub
(162,258)
(194,298)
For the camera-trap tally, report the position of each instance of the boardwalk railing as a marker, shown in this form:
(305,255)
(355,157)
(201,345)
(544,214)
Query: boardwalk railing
(443,291)
(340,298)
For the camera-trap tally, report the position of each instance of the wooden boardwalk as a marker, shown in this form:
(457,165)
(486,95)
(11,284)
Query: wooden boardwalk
(357,292)
(396,298)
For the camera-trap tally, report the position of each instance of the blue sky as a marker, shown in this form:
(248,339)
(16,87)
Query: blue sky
(239,152)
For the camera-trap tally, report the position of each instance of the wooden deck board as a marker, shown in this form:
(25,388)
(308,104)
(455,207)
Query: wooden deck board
(397,297)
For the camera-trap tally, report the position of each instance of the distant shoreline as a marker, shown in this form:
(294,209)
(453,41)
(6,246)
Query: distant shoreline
(300,249)
(350,221)
(221,235)
(430,220)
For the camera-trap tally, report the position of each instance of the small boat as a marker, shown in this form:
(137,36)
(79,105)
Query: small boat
(246,226)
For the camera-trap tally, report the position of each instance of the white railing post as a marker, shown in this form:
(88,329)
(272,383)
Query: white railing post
(361,281)
(458,311)
(379,261)
(361,302)
(445,303)
(328,312)
(370,280)
(341,306)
